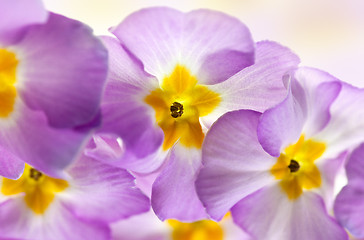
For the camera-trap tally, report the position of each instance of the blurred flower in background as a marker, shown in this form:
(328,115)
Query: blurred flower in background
(46,60)
(37,206)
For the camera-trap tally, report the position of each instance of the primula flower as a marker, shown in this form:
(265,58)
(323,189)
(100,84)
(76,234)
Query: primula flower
(349,204)
(154,229)
(171,75)
(37,206)
(52,72)
(276,170)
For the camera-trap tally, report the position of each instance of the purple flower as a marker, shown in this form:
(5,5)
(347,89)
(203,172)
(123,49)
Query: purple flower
(37,206)
(52,72)
(276,170)
(171,76)
(349,204)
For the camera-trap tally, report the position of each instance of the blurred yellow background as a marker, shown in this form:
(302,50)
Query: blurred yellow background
(326,34)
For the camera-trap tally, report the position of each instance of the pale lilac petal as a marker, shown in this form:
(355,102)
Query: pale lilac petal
(220,43)
(321,89)
(349,204)
(234,163)
(349,209)
(28,136)
(10,165)
(282,125)
(154,36)
(310,78)
(111,150)
(123,108)
(319,110)
(121,60)
(16,16)
(346,127)
(233,231)
(329,170)
(145,181)
(269,214)
(18,221)
(105,148)
(259,86)
(144,165)
(173,193)
(219,66)
(101,192)
(355,167)
(62,70)
(15,219)
(141,227)
(202,40)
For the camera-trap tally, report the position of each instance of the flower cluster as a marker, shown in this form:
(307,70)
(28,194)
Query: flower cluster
(180,127)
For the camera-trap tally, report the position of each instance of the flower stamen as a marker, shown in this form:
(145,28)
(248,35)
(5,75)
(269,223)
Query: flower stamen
(35,174)
(294,166)
(176,110)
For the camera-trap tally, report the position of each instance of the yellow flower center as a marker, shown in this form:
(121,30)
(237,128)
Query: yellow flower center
(179,104)
(39,190)
(296,169)
(200,230)
(8,64)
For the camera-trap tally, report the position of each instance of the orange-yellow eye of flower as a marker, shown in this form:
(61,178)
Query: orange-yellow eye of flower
(296,169)
(39,190)
(179,104)
(200,230)
(8,66)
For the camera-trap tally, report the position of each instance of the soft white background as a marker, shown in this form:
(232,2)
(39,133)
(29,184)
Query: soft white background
(326,34)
